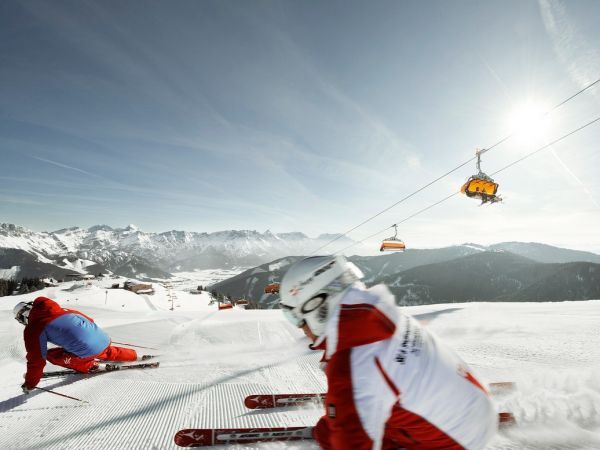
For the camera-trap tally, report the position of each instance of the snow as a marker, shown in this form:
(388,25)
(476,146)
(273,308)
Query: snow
(78,265)
(212,359)
(479,248)
(278,265)
(204,278)
(8,274)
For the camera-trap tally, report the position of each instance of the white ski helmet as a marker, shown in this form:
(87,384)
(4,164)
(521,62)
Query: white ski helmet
(21,311)
(312,286)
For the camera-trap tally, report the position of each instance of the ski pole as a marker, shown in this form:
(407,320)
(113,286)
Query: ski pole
(62,395)
(131,345)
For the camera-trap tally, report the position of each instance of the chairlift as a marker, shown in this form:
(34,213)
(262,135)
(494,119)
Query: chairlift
(272,288)
(481,186)
(393,244)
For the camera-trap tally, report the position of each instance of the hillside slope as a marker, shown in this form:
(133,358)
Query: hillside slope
(478,276)
(495,276)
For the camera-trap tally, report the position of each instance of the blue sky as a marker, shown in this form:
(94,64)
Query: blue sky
(297,116)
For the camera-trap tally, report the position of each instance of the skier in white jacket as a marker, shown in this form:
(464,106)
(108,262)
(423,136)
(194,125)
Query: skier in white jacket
(391,383)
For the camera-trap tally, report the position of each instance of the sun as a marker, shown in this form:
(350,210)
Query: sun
(529,121)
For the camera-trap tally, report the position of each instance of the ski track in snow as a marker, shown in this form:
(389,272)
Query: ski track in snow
(211,360)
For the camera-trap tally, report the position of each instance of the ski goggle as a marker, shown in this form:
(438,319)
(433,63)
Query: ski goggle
(290,315)
(23,315)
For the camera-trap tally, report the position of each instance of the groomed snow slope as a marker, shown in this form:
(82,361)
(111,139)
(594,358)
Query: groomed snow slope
(213,359)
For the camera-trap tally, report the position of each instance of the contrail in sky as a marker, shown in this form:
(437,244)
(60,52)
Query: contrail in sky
(575,177)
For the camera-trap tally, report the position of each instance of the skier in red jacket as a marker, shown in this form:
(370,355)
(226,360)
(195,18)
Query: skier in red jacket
(80,341)
(391,383)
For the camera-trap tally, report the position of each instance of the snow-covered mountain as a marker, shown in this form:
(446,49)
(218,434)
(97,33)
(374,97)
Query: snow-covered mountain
(132,252)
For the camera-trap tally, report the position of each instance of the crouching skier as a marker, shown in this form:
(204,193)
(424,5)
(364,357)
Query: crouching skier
(80,341)
(391,383)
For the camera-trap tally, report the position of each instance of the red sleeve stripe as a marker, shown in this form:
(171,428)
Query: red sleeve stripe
(387,378)
(474,381)
(389,324)
(361,325)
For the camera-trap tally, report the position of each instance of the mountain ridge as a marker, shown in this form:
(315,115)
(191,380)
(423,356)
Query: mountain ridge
(156,255)
(132,252)
(492,275)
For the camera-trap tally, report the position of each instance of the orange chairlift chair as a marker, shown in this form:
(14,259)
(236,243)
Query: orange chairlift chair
(481,186)
(392,244)
(272,288)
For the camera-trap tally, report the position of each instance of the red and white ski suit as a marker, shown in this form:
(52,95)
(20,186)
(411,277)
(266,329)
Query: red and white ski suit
(392,384)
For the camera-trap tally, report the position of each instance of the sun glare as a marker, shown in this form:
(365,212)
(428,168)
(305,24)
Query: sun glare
(529,121)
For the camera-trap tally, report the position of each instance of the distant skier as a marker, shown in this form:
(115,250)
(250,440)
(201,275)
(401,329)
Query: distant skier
(80,341)
(391,383)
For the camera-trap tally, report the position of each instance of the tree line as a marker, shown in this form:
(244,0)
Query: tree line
(7,287)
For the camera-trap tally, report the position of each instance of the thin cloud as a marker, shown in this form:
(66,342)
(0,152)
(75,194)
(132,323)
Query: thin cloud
(581,59)
(66,166)
(18,200)
(576,178)
(383,140)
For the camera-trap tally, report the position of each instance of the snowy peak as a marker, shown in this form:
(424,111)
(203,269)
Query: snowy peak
(477,247)
(296,236)
(6,228)
(168,251)
(96,228)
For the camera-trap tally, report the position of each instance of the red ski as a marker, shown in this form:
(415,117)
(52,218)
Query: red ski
(263,401)
(206,437)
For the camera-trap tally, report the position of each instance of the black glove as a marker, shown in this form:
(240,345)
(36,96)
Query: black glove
(26,390)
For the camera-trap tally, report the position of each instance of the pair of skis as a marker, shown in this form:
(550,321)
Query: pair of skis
(206,437)
(105,369)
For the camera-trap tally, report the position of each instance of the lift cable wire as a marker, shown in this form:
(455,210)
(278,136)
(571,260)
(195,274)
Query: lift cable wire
(392,206)
(544,115)
(449,172)
(455,193)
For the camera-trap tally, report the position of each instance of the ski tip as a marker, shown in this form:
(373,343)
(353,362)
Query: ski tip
(259,401)
(194,437)
(506,419)
(503,387)
(203,437)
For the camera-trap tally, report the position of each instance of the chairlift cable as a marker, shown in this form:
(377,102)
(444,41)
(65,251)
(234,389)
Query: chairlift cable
(484,150)
(392,206)
(547,145)
(544,147)
(501,141)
